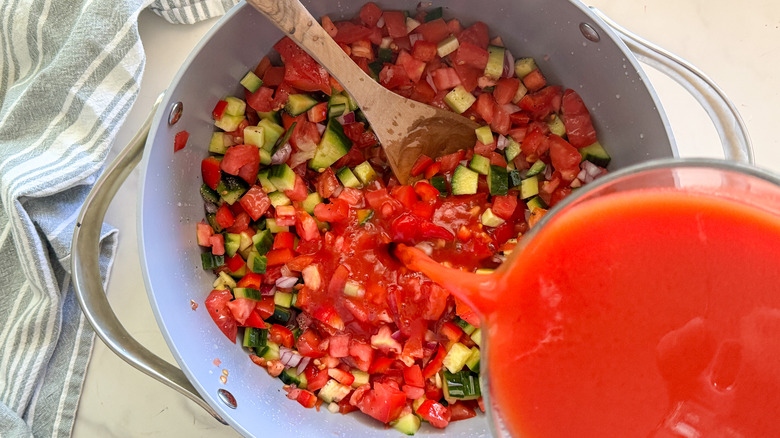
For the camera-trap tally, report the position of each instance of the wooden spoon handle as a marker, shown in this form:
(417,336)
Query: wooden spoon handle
(296,21)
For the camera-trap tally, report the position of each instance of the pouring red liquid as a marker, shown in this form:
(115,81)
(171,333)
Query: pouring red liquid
(648,307)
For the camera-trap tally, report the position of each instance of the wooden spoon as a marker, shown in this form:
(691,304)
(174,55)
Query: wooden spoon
(405,128)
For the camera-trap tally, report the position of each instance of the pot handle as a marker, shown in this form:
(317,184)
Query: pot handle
(724,115)
(89,287)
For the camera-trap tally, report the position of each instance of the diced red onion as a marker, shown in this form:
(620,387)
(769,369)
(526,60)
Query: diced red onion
(211,207)
(414,37)
(591,168)
(510,108)
(502,143)
(381,22)
(320,127)
(347,118)
(465,162)
(509,64)
(303,320)
(429,80)
(303,364)
(267,290)
(289,358)
(548,172)
(286,272)
(337,192)
(286,282)
(397,335)
(582,175)
(282,155)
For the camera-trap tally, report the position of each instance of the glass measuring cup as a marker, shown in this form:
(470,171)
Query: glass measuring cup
(647,304)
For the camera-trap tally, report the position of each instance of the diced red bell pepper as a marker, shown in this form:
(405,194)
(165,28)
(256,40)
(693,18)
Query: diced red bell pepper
(306,398)
(281,335)
(219,109)
(413,376)
(318,113)
(251,280)
(279,256)
(420,165)
(461,411)
(224,216)
(180,140)
(426,192)
(209,169)
(435,364)
(341,376)
(265,307)
(435,413)
(315,378)
(432,170)
(235,263)
(284,239)
(380,365)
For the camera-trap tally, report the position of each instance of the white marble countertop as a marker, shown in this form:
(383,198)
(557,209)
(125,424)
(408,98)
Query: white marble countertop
(738,46)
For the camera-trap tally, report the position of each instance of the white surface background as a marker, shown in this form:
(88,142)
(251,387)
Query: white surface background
(736,44)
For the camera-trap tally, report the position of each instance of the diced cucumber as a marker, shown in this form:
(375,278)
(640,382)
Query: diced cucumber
(351,102)
(235,106)
(384,54)
(282,177)
(272,353)
(255,337)
(463,385)
(536,168)
(529,187)
(523,66)
(512,150)
(440,183)
(254,135)
(208,194)
(489,219)
(456,357)
(224,281)
(536,202)
(498,180)
(333,391)
(210,261)
(271,131)
(336,110)
(251,82)
(212,220)
(281,316)
(459,99)
(290,376)
(514,178)
(333,145)
(298,104)
(520,93)
(484,134)
(219,143)
(228,122)
(256,263)
(411,24)
(473,361)
(232,242)
(596,154)
(265,157)
(433,14)
(364,215)
(495,64)
(266,183)
(354,289)
(447,46)
(464,181)
(484,271)
(279,199)
(283,299)
(465,326)
(273,116)
(248,293)
(311,201)
(348,178)
(263,241)
(407,424)
(477,337)
(271,225)
(361,378)
(365,173)
(338,99)
(284,138)
(231,188)
(556,126)
(480,164)
(245,244)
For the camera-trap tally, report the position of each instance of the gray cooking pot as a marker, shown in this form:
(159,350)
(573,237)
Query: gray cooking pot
(573,46)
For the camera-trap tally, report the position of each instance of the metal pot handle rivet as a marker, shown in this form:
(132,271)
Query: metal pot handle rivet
(589,32)
(227,398)
(175,114)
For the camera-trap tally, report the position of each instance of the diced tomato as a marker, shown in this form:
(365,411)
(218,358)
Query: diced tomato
(395,23)
(534,145)
(451,161)
(284,239)
(433,31)
(273,77)
(565,158)
(315,378)
(251,280)
(328,26)
(424,50)
(349,32)
(204,232)
(279,256)
(432,170)
(534,81)
(414,67)
(308,344)
(241,309)
(219,109)
(485,106)
(261,100)
(505,90)
(501,121)
(255,202)
(362,353)
(394,76)
(405,195)
(318,113)
(306,226)
(300,69)
(445,78)
(341,376)
(265,307)
(413,376)
(413,392)
(541,104)
(338,345)
(576,118)
(306,398)
(408,228)
(327,183)
(497,159)
(217,243)
(298,192)
(281,335)
(285,215)
(351,196)
(216,304)
(468,76)
(435,413)
(476,34)
(370,14)
(336,211)
(384,402)
(461,411)
(454,26)
(241,223)
(380,365)
(420,165)
(224,216)
(426,192)
(470,55)
(435,364)
(255,320)
(423,92)
(504,206)
(361,137)
(242,160)
(262,66)
(209,169)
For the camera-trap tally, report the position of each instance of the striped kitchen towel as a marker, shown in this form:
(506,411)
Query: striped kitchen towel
(69,73)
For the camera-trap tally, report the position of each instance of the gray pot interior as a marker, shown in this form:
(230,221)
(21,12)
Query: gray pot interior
(624,108)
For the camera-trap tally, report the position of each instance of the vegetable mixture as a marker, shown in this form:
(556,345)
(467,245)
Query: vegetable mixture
(303,211)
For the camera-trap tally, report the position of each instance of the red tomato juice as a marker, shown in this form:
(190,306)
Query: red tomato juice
(642,314)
